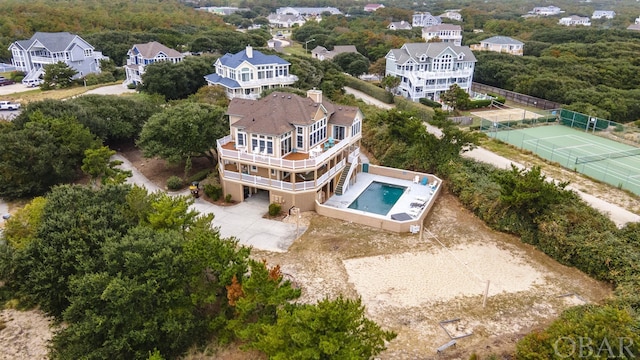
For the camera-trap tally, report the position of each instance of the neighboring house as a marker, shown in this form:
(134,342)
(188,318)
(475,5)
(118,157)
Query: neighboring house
(426,70)
(222,10)
(399,25)
(308,11)
(373,7)
(30,56)
(248,73)
(299,149)
(546,10)
(603,14)
(574,20)
(285,20)
(451,15)
(502,44)
(635,26)
(447,33)
(141,55)
(321,53)
(424,19)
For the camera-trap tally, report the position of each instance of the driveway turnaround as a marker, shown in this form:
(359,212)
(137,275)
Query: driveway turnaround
(243,221)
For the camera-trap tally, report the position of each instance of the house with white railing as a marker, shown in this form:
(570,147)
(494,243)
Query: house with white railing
(426,70)
(298,149)
(248,73)
(142,55)
(448,33)
(575,20)
(603,14)
(422,19)
(501,44)
(30,56)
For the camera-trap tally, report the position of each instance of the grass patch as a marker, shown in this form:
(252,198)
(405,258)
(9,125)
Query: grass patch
(37,94)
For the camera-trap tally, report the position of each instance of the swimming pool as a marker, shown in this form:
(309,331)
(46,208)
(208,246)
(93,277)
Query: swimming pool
(378,198)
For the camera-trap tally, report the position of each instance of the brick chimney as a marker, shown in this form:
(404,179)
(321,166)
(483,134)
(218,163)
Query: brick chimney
(249,51)
(315,95)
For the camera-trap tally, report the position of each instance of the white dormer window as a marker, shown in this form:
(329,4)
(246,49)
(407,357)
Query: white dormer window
(460,56)
(423,58)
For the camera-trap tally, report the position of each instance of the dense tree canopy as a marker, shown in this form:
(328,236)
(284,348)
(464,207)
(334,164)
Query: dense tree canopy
(177,80)
(183,131)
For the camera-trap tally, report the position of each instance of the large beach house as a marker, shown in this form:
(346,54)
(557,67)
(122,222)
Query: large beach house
(426,70)
(248,73)
(299,149)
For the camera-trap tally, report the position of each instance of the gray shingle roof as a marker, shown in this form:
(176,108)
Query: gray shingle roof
(54,42)
(502,40)
(441,27)
(416,50)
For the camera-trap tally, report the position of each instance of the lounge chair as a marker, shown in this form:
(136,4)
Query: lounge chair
(425,180)
(416,179)
(414,212)
(422,199)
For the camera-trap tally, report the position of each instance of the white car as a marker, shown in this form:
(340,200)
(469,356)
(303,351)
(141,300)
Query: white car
(8,105)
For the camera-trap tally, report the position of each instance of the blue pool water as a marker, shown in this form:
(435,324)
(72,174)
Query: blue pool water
(378,198)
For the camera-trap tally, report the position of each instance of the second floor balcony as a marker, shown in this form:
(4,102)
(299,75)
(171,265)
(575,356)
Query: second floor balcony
(297,161)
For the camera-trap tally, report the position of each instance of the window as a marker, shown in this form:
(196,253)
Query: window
(285,144)
(88,52)
(242,139)
(355,127)
(318,132)
(338,132)
(274,172)
(263,144)
(254,168)
(299,137)
(246,74)
(443,63)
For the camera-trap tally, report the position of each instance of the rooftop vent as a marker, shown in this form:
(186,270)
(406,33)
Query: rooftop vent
(288,97)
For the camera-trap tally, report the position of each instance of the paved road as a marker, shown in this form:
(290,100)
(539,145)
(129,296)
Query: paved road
(620,216)
(243,221)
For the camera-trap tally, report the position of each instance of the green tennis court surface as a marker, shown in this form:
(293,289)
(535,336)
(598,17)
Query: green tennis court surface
(606,160)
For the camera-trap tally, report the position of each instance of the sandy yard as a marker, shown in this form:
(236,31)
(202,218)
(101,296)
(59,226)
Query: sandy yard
(24,335)
(410,285)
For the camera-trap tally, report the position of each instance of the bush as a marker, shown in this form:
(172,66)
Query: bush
(274,209)
(174,183)
(498,98)
(213,191)
(227,198)
(476,104)
(425,113)
(199,176)
(369,89)
(430,103)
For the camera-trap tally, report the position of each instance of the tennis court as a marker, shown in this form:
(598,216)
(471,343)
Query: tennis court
(606,160)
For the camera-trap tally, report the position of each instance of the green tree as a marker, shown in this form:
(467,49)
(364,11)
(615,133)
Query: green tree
(213,95)
(177,81)
(391,83)
(136,303)
(58,75)
(75,224)
(44,152)
(456,98)
(331,329)
(258,299)
(22,227)
(590,331)
(98,165)
(353,64)
(528,192)
(182,131)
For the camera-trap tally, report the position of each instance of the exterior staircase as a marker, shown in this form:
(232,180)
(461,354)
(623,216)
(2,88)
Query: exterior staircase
(343,178)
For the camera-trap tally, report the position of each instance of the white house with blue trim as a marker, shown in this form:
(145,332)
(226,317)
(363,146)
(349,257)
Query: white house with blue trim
(248,73)
(30,56)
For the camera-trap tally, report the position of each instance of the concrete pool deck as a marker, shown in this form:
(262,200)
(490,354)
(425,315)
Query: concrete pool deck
(411,194)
